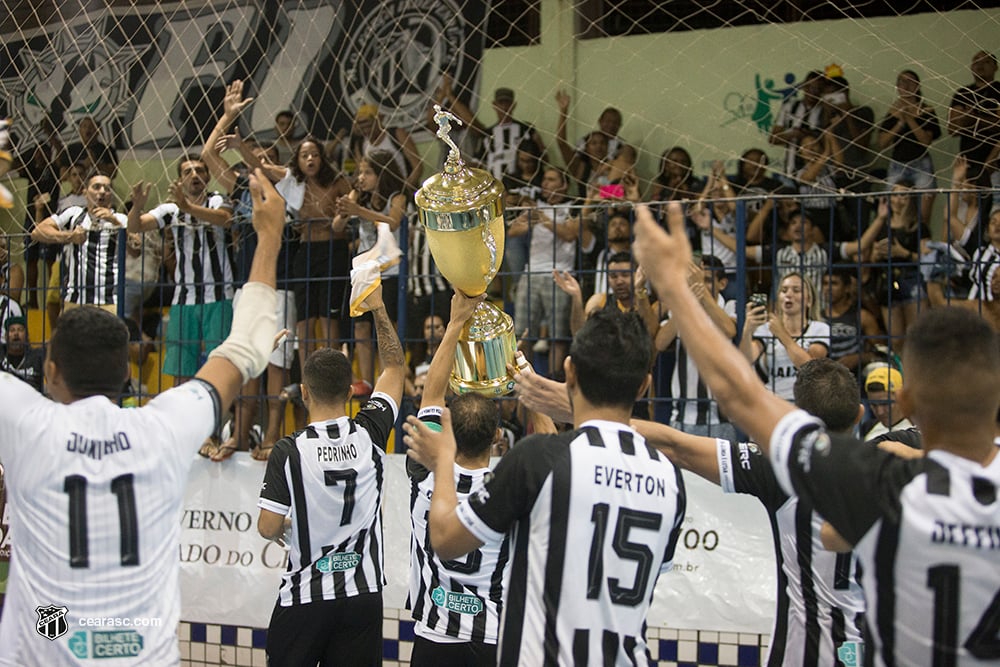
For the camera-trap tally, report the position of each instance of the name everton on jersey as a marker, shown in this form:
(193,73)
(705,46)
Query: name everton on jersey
(97,448)
(626,480)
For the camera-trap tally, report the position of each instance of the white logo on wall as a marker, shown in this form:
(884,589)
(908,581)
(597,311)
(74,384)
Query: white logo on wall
(79,73)
(395,55)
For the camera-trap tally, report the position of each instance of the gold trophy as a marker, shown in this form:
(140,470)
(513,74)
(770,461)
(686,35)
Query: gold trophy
(461,209)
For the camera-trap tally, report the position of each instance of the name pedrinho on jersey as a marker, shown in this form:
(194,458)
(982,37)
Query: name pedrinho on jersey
(328,478)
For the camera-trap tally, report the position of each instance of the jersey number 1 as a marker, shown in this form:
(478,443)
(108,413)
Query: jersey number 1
(983,642)
(128,523)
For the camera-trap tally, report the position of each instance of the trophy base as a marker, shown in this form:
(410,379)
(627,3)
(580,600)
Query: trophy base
(491,388)
(485,346)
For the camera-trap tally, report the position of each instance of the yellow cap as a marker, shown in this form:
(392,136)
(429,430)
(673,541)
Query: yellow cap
(366,112)
(889,378)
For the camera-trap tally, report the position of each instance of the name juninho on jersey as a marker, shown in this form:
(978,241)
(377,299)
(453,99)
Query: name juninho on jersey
(95,448)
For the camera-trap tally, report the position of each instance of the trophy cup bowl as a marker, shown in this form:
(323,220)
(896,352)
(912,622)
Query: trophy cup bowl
(461,209)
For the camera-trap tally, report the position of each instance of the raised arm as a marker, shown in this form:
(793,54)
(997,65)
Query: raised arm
(565,281)
(565,148)
(690,452)
(435,450)
(439,373)
(244,353)
(412,157)
(221,217)
(860,247)
(733,381)
(137,220)
(390,350)
(233,104)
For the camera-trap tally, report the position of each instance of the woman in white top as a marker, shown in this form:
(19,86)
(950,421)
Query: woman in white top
(777,343)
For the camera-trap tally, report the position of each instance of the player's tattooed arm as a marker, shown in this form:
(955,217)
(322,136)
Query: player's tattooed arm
(390,350)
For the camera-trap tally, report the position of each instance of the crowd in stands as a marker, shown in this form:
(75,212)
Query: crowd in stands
(831,253)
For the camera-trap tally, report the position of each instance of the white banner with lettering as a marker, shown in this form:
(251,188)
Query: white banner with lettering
(723,576)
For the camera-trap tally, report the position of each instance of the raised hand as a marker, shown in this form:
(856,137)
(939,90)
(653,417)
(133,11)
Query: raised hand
(268,205)
(140,194)
(229,141)
(232,102)
(563,100)
(462,306)
(663,256)
(565,281)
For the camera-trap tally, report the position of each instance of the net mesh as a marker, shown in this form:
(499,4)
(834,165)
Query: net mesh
(710,77)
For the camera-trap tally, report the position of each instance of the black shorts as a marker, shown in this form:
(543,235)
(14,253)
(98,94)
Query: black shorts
(320,275)
(466,654)
(328,632)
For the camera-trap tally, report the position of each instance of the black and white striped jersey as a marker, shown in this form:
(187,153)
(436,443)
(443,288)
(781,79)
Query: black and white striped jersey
(92,274)
(94,495)
(204,271)
(424,278)
(500,146)
(328,479)
(459,600)
(982,268)
(593,516)
(927,532)
(820,607)
(693,402)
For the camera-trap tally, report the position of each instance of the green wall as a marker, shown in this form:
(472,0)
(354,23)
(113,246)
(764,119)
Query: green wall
(697,89)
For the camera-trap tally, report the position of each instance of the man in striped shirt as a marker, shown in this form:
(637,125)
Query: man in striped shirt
(926,530)
(820,607)
(95,491)
(593,514)
(91,235)
(456,603)
(202,308)
(325,483)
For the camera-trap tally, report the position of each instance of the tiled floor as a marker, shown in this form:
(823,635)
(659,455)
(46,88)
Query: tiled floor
(204,645)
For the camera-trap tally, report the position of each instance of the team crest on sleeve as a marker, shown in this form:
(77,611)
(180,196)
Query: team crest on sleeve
(815,442)
(51,622)
(481,496)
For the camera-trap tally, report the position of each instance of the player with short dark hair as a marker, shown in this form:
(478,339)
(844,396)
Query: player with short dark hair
(820,607)
(927,530)
(456,603)
(95,490)
(822,389)
(325,373)
(593,514)
(324,484)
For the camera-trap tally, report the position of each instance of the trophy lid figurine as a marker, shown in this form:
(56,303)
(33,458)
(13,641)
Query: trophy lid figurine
(461,209)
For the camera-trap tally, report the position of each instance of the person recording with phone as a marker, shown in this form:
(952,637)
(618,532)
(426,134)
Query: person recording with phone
(780,339)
